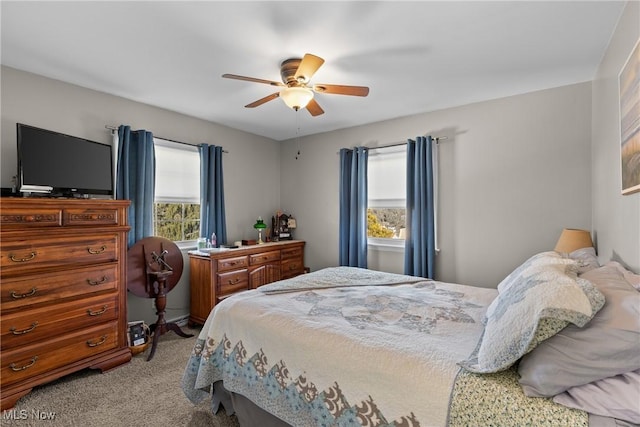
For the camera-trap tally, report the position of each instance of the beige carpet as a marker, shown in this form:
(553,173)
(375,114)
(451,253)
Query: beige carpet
(140,393)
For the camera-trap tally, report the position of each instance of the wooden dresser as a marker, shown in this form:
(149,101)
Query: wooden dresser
(221,274)
(63,289)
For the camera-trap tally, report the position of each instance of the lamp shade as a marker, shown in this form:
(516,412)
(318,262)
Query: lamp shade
(296,97)
(572,239)
(259,225)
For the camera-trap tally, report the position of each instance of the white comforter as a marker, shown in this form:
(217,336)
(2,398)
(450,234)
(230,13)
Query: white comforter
(342,345)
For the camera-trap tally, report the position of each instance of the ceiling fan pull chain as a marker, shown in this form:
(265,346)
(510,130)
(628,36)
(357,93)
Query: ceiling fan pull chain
(298,134)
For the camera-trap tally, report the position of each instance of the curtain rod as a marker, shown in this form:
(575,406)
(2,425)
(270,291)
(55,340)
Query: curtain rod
(115,128)
(397,144)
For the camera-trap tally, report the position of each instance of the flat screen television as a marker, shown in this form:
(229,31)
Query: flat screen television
(62,165)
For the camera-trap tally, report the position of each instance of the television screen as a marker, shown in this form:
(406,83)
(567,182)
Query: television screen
(62,165)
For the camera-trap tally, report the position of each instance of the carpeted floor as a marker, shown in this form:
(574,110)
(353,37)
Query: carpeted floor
(140,393)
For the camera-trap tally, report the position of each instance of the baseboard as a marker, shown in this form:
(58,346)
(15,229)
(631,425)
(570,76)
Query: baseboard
(180,321)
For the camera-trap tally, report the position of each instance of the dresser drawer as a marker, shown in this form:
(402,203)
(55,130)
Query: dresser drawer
(292,252)
(232,281)
(291,268)
(104,216)
(30,254)
(264,257)
(24,291)
(28,218)
(227,264)
(31,360)
(29,326)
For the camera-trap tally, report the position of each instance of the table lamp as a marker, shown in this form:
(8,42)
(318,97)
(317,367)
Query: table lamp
(572,239)
(260,225)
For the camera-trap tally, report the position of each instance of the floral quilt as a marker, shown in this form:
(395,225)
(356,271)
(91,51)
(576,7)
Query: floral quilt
(367,353)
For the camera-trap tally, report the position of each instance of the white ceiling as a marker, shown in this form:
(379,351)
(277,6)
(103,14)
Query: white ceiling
(415,56)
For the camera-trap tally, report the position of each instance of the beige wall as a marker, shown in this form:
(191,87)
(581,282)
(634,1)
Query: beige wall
(513,173)
(51,104)
(616,218)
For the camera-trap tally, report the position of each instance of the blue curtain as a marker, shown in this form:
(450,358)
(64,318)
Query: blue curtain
(212,216)
(353,207)
(136,179)
(420,252)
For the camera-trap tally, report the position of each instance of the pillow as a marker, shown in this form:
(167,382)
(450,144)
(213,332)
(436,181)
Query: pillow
(536,304)
(609,345)
(617,397)
(586,258)
(633,279)
(538,260)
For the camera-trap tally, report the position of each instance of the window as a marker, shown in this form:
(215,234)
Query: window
(386,213)
(176,213)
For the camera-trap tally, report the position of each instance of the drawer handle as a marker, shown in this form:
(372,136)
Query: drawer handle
(15,368)
(234,281)
(97,251)
(16,295)
(14,331)
(97,313)
(97,282)
(103,339)
(231,263)
(31,256)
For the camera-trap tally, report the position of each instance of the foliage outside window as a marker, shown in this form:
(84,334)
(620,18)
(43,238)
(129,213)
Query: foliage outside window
(176,213)
(177,221)
(386,223)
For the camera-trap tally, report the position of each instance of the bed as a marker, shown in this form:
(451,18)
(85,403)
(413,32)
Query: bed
(345,346)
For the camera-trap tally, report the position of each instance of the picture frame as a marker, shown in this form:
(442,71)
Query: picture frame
(629,92)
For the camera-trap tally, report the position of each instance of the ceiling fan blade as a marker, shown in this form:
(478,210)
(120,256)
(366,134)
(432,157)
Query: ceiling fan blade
(308,67)
(261,101)
(252,79)
(314,108)
(341,89)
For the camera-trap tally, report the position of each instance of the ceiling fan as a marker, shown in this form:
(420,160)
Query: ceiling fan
(297,92)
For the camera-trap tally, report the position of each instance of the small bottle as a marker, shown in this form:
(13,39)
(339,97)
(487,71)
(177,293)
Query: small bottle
(213,240)
(202,243)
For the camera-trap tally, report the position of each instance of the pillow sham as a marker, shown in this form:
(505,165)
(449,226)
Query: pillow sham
(536,304)
(586,258)
(629,276)
(617,397)
(530,266)
(608,345)
(633,279)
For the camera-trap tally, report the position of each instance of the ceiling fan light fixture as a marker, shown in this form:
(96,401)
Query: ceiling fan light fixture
(296,91)
(296,97)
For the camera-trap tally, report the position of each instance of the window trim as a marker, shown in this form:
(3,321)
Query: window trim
(384,244)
